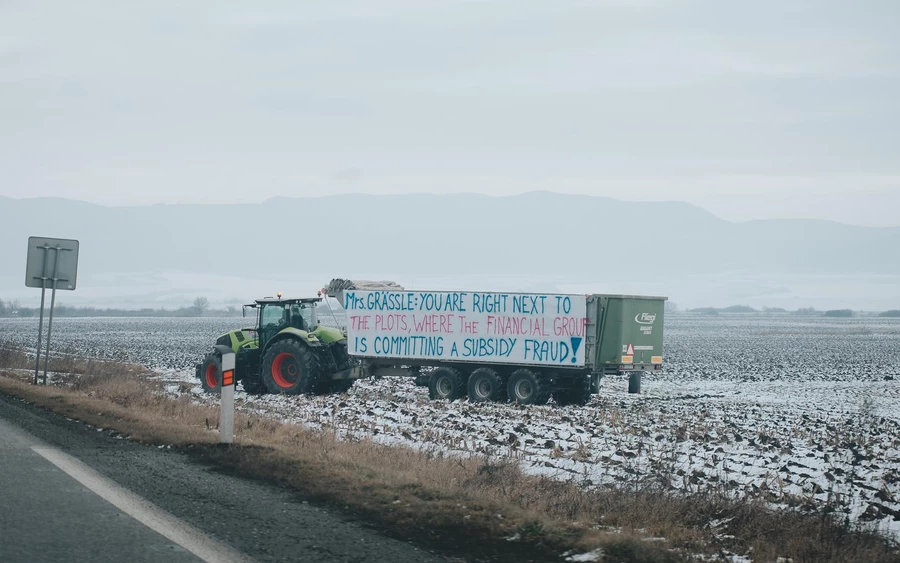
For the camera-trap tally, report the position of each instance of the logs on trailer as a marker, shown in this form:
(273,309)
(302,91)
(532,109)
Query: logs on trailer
(337,286)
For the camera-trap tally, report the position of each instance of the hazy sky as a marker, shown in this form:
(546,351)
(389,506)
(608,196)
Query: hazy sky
(750,109)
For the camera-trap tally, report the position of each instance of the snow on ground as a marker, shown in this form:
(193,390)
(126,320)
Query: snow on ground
(801,412)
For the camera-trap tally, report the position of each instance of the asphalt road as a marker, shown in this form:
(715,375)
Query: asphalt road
(69,492)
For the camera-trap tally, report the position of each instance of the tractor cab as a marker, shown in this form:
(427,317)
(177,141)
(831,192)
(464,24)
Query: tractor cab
(276,314)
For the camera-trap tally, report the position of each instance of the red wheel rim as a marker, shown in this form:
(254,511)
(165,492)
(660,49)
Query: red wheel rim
(212,376)
(285,370)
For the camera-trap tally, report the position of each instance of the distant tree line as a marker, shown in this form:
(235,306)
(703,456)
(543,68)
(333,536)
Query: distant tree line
(199,308)
(839,313)
(8,308)
(807,311)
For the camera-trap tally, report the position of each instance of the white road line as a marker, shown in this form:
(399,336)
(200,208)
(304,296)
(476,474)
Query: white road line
(145,512)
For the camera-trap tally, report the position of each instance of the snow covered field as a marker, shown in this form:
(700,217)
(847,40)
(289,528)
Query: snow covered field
(802,412)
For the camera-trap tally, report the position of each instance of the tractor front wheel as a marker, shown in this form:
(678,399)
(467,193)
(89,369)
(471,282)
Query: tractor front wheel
(290,367)
(210,369)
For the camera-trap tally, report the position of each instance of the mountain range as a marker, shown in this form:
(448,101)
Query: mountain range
(569,236)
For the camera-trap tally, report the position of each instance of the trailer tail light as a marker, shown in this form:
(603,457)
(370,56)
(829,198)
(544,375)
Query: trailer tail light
(656,360)
(627,359)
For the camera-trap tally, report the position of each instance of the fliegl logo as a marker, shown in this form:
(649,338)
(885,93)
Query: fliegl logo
(645,318)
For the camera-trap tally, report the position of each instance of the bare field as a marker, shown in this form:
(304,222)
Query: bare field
(798,412)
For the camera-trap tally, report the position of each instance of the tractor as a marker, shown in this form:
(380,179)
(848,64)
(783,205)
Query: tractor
(288,352)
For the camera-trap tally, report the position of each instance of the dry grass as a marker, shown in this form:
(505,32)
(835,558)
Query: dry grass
(12,358)
(463,506)
(64,365)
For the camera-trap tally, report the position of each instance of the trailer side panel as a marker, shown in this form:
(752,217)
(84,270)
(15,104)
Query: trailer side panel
(467,327)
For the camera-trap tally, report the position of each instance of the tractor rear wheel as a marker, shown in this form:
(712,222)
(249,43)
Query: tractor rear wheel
(209,373)
(484,385)
(290,367)
(446,383)
(526,387)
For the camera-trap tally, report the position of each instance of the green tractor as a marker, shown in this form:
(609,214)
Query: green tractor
(288,352)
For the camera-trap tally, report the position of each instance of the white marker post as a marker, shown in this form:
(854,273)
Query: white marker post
(226,410)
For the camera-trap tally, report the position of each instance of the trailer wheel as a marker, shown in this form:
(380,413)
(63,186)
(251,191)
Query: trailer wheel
(526,387)
(579,393)
(290,367)
(484,385)
(209,373)
(446,383)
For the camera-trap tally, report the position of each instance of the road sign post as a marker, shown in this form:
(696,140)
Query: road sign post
(226,408)
(38,273)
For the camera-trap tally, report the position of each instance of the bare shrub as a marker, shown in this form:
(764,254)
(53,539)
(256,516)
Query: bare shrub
(12,357)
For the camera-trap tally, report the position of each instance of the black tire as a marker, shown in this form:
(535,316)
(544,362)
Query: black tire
(526,387)
(446,384)
(595,384)
(290,367)
(485,385)
(578,393)
(210,370)
(253,385)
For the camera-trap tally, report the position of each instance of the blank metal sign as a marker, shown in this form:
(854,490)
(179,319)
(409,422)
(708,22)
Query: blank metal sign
(42,257)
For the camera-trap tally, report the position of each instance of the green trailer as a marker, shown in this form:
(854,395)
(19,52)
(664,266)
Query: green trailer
(628,336)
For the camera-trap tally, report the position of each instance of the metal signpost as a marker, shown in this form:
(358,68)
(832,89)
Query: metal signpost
(53,261)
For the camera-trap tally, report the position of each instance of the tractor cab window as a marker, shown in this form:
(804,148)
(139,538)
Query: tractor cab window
(302,316)
(274,314)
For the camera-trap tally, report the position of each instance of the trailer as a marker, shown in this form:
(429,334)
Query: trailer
(490,346)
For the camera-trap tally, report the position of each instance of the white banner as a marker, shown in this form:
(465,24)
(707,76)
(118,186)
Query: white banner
(511,328)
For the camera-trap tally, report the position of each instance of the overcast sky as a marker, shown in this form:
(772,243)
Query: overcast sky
(749,109)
